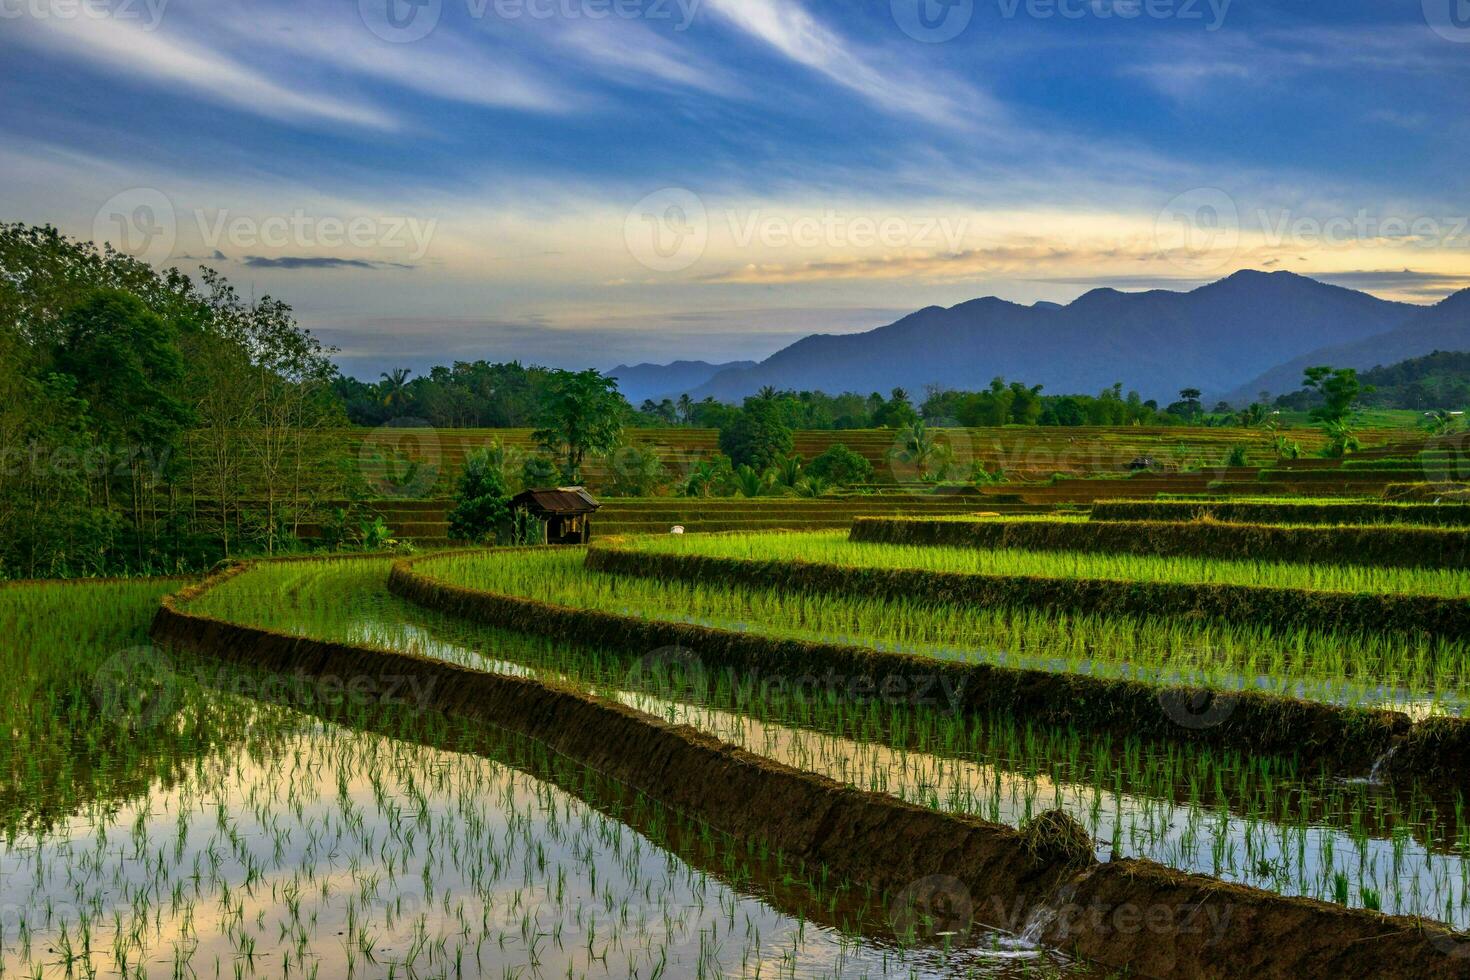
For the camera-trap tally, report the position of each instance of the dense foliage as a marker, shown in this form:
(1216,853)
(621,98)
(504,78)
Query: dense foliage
(1435,382)
(149,421)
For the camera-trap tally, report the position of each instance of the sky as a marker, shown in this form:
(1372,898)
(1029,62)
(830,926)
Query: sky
(582,183)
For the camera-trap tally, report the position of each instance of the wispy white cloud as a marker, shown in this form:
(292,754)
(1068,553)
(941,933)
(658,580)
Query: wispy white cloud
(632,52)
(151,54)
(443,65)
(787,27)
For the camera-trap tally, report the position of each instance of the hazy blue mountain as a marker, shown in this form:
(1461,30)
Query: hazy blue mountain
(659,381)
(1444,326)
(1216,337)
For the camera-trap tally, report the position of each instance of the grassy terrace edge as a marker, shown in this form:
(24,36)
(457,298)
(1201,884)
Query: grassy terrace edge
(1377,545)
(1346,740)
(1432,616)
(1284,512)
(1217,929)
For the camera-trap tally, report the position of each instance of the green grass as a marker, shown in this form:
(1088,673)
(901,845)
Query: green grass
(72,652)
(833,548)
(1317,664)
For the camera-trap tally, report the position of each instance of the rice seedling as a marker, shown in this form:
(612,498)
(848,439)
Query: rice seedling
(1417,674)
(272,841)
(1253,819)
(833,548)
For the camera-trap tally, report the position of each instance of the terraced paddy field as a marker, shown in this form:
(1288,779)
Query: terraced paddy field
(1172,737)
(213,820)
(1374,545)
(1274,823)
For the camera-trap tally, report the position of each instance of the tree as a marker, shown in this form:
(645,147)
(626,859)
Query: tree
(914,449)
(481,513)
(840,466)
(583,415)
(537,471)
(394,388)
(125,364)
(897,412)
(710,478)
(1340,390)
(758,436)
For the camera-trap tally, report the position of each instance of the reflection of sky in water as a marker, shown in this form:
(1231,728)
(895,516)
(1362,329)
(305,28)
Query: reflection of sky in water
(1294,859)
(346,844)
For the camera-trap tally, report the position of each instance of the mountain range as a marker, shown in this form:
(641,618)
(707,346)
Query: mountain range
(1249,332)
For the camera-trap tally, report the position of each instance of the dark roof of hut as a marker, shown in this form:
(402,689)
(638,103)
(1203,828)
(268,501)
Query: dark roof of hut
(562,500)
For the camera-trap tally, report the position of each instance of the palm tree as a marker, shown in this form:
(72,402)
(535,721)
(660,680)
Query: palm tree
(914,448)
(686,408)
(395,387)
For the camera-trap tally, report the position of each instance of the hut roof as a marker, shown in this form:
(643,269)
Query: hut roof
(562,500)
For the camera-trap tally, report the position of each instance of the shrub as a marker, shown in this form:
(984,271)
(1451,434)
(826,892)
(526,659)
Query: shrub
(840,466)
(481,513)
(538,471)
(1237,456)
(634,472)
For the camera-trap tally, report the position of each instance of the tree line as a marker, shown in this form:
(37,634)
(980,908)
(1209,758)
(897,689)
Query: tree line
(150,421)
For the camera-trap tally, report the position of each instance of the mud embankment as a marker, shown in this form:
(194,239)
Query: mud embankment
(1132,915)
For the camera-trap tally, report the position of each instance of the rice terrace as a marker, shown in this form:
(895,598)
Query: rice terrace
(734,488)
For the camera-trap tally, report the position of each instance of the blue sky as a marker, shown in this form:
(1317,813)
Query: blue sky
(585,182)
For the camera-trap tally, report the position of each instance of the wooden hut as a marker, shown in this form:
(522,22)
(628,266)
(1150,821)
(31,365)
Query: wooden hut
(566,512)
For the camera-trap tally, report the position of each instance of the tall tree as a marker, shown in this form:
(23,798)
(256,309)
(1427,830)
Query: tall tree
(583,415)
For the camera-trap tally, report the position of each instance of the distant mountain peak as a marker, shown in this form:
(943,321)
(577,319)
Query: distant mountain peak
(1157,341)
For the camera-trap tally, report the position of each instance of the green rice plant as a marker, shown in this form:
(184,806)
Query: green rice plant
(1371,545)
(1248,818)
(1415,672)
